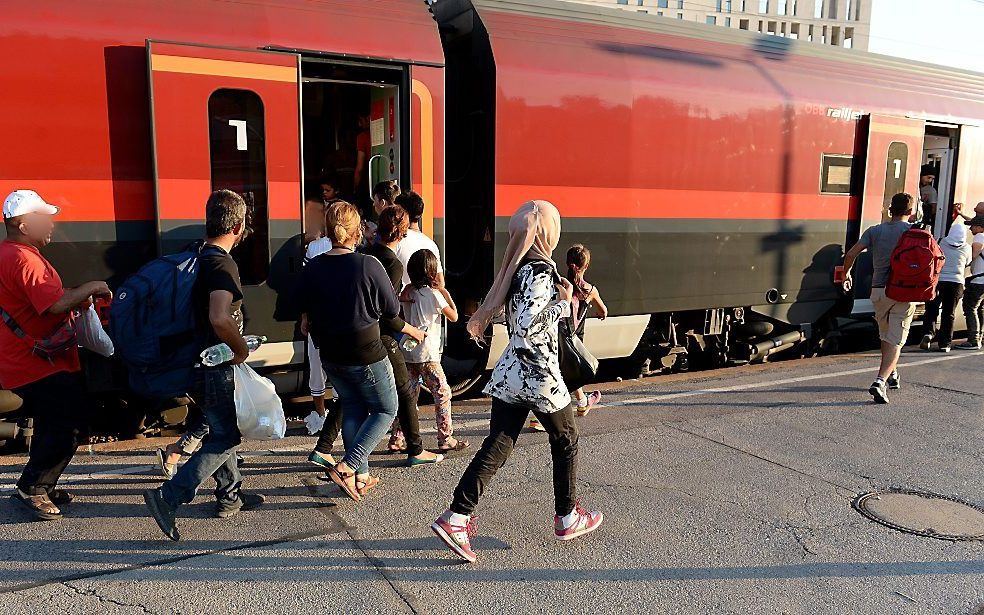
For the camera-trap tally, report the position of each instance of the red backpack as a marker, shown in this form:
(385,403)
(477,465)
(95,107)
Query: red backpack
(914,267)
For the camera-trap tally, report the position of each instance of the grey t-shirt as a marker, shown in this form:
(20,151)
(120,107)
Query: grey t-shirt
(880,240)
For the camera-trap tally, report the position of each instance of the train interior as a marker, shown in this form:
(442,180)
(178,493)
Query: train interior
(352,127)
(940,151)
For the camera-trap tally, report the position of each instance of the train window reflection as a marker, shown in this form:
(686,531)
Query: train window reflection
(237,150)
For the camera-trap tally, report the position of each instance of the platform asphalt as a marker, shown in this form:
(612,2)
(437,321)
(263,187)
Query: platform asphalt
(724,492)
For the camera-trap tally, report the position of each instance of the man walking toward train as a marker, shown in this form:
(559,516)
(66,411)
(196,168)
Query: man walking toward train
(217,298)
(894,317)
(40,358)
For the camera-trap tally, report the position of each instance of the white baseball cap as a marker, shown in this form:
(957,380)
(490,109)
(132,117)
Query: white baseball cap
(20,202)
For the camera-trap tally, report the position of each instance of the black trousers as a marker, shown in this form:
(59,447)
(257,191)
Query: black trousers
(61,410)
(406,412)
(944,307)
(504,427)
(973,306)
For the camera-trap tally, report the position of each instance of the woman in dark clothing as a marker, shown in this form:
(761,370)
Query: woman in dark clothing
(345,296)
(393,224)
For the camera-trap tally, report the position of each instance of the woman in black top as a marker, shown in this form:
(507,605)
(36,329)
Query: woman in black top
(344,296)
(393,224)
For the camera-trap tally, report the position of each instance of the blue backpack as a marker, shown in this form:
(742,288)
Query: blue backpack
(152,323)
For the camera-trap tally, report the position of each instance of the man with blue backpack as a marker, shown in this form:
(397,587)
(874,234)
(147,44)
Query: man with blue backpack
(207,278)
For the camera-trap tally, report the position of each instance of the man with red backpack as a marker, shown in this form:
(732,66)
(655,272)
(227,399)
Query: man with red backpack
(906,262)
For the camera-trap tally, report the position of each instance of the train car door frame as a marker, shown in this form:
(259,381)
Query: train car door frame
(187,136)
(892,159)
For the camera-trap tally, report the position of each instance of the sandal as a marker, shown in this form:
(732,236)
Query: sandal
(60,497)
(367,484)
(40,506)
(167,469)
(346,481)
(397,445)
(452,444)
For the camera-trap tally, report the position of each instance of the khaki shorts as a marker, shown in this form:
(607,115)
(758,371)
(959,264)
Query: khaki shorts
(894,317)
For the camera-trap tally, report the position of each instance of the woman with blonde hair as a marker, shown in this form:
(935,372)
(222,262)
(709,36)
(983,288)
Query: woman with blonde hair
(343,297)
(526,379)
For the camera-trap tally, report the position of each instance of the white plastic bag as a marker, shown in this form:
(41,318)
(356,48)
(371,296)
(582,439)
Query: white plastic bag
(259,411)
(91,334)
(314,422)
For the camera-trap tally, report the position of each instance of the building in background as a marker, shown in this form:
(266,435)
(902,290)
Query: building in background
(842,23)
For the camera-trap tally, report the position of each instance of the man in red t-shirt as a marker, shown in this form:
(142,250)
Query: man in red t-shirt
(34,306)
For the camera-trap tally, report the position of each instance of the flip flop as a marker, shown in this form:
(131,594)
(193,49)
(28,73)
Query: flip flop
(367,485)
(417,461)
(40,506)
(459,445)
(60,497)
(166,468)
(340,480)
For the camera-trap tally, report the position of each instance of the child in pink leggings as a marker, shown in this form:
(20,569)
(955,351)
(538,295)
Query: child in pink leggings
(424,305)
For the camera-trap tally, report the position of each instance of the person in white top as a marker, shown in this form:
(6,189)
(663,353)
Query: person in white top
(973,299)
(317,379)
(425,304)
(949,289)
(416,240)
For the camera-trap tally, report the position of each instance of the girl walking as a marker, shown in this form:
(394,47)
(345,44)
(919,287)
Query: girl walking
(584,296)
(526,378)
(425,304)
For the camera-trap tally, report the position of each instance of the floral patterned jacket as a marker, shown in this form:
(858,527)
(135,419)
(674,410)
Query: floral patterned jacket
(528,372)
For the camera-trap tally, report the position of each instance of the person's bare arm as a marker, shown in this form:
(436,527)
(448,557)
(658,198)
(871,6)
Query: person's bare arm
(224,325)
(75,297)
(976,249)
(451,311)
(851,256)
(600,306)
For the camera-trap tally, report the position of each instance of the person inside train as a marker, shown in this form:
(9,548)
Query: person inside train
(894,317)
(393,223)
(526,378)
(330,188)
(949,290)
(343,295)
(217,298)
(40,358)
(928,198)
(415,239)
(363,152)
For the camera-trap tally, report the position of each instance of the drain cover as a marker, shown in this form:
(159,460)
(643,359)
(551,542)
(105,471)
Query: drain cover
(922,513)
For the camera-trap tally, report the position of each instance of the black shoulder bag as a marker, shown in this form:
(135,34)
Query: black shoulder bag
(578,366)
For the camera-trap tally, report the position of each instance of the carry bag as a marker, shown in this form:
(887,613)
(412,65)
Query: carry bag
(48,348)
(577,365)
(92,336)
(259,411)
(914,267)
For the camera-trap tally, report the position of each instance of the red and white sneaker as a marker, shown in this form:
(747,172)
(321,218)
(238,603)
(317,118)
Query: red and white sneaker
(456,537)
(591,401)
(585,523)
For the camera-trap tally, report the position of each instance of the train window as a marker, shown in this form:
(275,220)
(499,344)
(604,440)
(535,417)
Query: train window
(835,174)
(238,156)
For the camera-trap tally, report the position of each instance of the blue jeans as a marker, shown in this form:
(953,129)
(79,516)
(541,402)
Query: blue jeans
(215,393)
(368,397)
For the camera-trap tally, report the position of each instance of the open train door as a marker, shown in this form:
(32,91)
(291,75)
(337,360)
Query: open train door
(892,160)
(229,118)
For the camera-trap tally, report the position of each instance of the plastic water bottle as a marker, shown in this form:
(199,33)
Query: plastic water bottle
(409,342)
(222,353)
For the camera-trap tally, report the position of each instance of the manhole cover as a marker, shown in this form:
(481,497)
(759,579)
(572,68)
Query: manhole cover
(925,514)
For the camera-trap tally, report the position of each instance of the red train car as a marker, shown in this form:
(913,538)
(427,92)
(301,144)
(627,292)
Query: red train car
(716,174)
